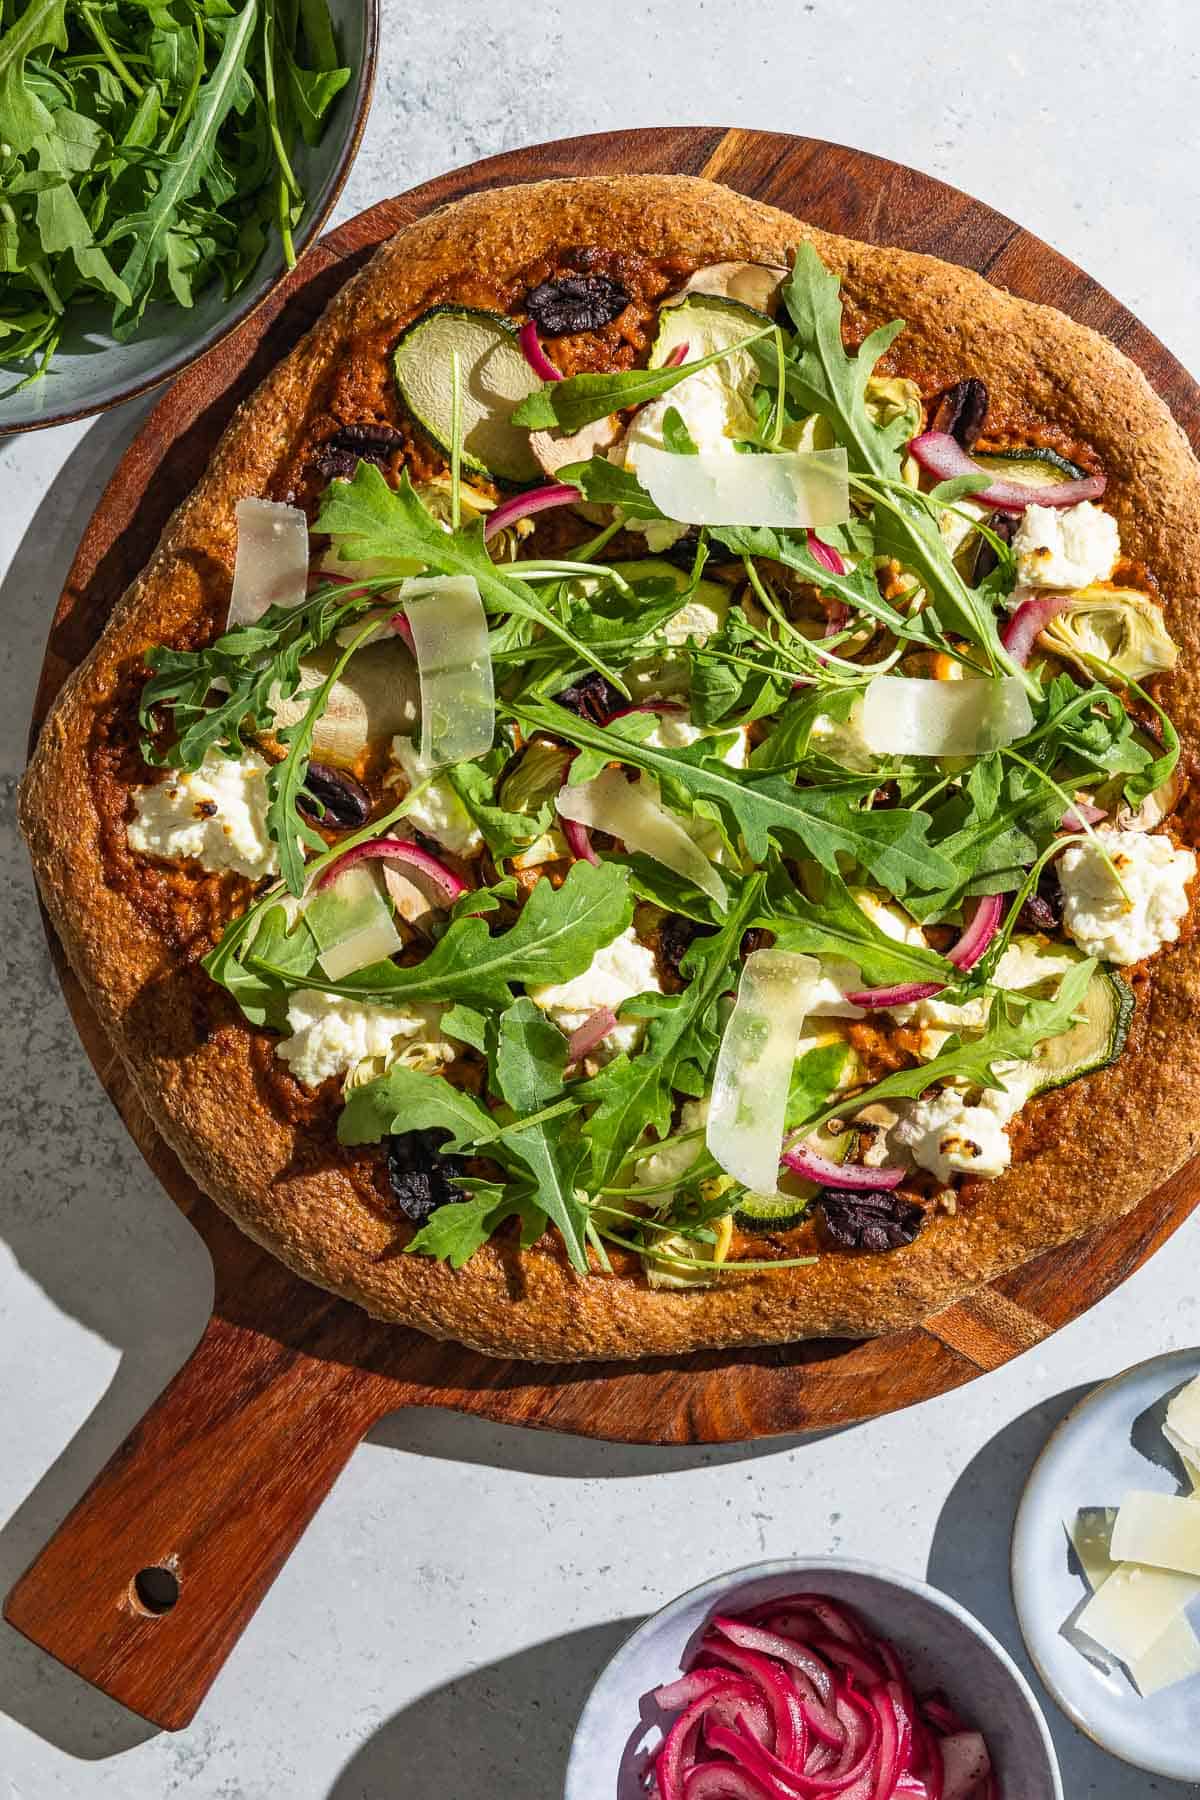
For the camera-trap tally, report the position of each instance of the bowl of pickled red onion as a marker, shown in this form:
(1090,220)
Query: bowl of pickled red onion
(815,1679)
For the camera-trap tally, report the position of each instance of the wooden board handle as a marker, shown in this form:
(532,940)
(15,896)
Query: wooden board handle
(149,1582)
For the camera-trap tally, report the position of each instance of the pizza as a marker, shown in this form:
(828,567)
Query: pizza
(642,804)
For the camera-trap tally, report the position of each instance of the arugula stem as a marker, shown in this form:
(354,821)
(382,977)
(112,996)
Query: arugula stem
(96,26)
(1068,803)
(455,441)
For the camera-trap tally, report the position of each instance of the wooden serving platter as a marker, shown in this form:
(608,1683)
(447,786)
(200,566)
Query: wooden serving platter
(217,1483)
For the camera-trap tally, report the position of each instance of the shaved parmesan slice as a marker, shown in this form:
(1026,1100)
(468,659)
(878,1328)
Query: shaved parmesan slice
(1182,1429)
(633,812)
(1133,1608)
(1159,1530)
(351,923)
(754,1066)
(271,565)
(905,716)
(1091,1540)
(794,489)
(1172,1657)
(454,666)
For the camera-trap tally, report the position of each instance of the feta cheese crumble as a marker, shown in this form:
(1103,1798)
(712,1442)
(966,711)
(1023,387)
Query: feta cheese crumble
(215,815)
(617,972)
(334,1036)
(438,812)
(1124,928)
(1066,547)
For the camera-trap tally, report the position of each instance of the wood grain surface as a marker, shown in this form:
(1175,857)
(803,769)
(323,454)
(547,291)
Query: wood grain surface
(220,1479)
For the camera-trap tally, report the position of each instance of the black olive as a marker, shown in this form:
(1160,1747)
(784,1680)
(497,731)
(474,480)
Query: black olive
(683,551)
(961,411)
(676,935)
(870,1218)
(593,697)
(575,303)
(340,455)
(1004,526)
(337,801)
(1042,910)
(421,1175)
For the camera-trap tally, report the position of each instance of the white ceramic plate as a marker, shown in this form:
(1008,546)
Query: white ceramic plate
(942,1646)
(1111,1442)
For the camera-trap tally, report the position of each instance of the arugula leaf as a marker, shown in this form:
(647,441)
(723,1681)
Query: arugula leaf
(604,483)
(368,520)
(26,117)
(676,436)
(1014,1031)
(162,126)
(821,378)
(556,934)
(409,1100)
(503,831)
(890,843)
(153,229)
(580,399)
(530,1058)
(455,1232)
(835,925)
(635,1094)
(816,1075)
(856,589)
(252,667)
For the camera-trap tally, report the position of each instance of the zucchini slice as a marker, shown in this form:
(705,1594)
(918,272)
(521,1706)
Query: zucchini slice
(785,1209)
(1035,467)
(495,379)
(706,322)
(1106,1010)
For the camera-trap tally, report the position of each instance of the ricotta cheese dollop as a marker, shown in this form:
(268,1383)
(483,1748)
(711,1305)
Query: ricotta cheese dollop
(330,1035)
(1066,547)
(617,972)
(438,812)
(949,1135)
(1125,927)
(215,815)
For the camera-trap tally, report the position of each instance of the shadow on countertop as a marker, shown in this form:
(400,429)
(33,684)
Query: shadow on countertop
(503,1729)
(80,1213)
(969,1559)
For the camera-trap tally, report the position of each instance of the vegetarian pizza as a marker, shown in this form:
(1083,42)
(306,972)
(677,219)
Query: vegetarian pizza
(643,803)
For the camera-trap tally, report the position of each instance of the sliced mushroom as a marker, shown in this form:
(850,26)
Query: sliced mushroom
(751,284)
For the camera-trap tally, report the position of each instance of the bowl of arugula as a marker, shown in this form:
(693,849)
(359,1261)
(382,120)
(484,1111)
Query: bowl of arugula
(161,169)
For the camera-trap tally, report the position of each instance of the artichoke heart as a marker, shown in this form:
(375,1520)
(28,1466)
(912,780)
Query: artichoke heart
(1120,626)
(890,397)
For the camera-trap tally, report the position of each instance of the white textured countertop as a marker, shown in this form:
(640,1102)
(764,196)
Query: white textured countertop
(435,1634)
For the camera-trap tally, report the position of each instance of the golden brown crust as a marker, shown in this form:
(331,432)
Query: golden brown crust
(1110,1140)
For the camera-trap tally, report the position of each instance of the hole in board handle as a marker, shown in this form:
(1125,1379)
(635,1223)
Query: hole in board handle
(155,1590)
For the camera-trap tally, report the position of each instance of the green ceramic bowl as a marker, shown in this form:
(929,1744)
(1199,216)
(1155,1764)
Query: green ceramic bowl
(90,371)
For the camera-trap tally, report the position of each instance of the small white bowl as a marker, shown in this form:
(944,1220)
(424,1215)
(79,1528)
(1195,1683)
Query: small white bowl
(942,1647)
(1111,1442)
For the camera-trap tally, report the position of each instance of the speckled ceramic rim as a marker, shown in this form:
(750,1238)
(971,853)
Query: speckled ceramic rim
(256,296)
(1024,1600)
(736,1578)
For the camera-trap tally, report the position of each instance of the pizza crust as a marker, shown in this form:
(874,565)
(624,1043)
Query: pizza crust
(1110,1139)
